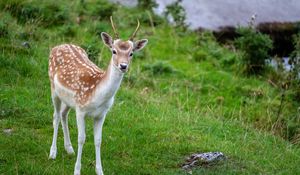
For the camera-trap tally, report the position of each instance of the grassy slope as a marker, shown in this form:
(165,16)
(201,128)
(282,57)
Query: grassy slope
(157,119)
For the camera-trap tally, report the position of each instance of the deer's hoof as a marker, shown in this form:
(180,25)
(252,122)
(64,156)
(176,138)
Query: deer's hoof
(52,154)
(77,172)
(99,171)
(69,150)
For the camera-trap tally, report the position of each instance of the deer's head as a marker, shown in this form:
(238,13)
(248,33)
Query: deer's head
(122,51)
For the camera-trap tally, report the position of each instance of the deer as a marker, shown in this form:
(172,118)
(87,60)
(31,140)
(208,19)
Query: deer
(77,83)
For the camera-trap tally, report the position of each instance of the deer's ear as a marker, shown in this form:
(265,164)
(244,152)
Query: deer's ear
(107,39)
(140,44)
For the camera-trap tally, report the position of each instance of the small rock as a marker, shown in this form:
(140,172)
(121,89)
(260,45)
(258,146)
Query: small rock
(200,159)
(8,131)
(144,91)
(26,44)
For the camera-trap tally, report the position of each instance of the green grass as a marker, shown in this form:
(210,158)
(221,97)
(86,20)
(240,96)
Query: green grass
(169,106)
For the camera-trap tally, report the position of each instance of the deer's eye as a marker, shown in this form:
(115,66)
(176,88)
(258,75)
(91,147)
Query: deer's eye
(114,52)
(131,54)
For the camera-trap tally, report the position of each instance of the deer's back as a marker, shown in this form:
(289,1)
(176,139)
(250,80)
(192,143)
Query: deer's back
(70,67)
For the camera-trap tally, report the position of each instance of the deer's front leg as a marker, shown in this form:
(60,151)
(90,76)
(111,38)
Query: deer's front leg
(98,124)
(81,139)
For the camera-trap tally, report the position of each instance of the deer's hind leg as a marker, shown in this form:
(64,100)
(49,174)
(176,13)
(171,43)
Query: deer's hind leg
(56,119)
(81,139)
(64,122)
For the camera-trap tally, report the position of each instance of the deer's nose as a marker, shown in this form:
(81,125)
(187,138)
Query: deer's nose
(123,66)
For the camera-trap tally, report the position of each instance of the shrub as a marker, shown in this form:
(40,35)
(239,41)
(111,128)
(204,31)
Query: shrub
(254,47)
(147,4)
(99,9)
(209,49)
(146,18)
(207,42)
(295,68)
(295,57)
(288,82)
(177,13)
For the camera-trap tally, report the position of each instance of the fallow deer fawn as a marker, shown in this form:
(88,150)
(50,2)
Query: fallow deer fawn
(79,84)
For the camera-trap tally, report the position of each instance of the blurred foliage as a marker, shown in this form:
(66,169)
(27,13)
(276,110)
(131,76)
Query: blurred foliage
(147,4)
(207,48)
(99,27)
(149,18)
(48,14)
(200,55)
(100,10)
(288,81)
(177,14)
(68,30)
(294,61)
(255,48)
(92,49)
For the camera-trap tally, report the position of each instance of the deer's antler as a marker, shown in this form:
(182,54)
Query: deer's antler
(134,33)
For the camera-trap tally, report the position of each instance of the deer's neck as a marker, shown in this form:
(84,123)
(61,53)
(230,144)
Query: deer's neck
(109,85)
(113,78)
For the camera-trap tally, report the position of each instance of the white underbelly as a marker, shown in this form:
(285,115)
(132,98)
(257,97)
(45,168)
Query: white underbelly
(65,95)
(95,108)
